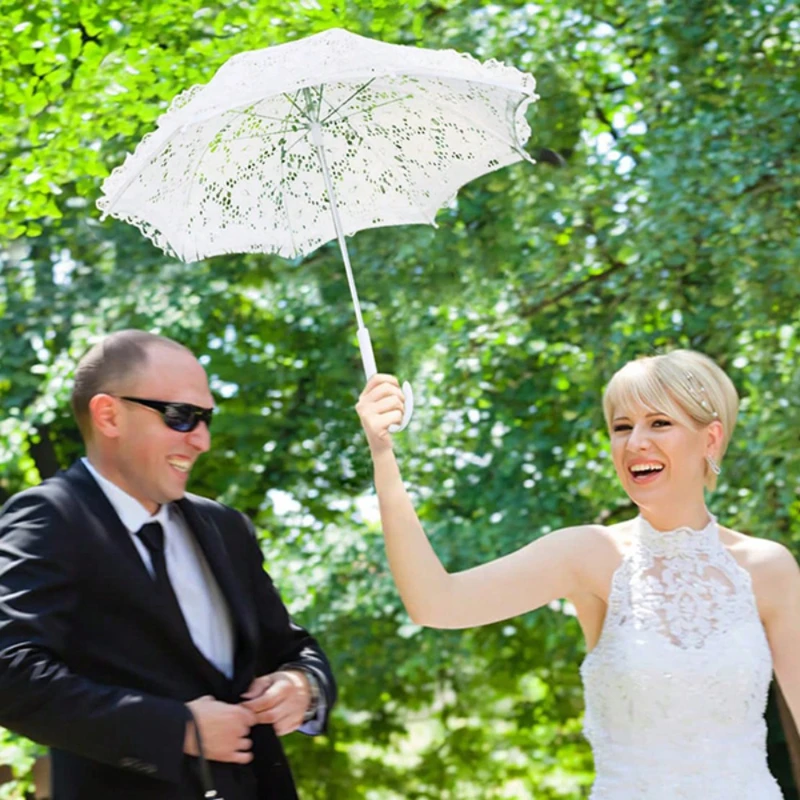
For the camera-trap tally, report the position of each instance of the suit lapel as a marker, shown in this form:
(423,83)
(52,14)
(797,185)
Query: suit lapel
(99,509)
(211,542)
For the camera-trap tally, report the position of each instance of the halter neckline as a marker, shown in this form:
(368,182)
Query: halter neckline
(681,539)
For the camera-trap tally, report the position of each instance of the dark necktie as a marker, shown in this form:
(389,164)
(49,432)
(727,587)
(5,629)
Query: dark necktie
(152,535)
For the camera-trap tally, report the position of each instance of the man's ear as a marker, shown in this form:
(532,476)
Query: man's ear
(104,413)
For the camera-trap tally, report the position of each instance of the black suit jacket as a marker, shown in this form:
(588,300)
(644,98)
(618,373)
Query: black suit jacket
(92,665)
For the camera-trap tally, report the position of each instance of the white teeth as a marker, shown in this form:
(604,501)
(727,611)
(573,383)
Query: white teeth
(183,466)
(647,467)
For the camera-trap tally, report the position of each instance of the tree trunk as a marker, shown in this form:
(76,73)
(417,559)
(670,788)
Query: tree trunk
(790,731)
(44,454)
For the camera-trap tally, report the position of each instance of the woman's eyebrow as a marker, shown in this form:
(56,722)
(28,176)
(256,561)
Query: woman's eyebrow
(654,414)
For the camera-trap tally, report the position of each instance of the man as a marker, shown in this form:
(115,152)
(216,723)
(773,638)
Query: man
(134,616)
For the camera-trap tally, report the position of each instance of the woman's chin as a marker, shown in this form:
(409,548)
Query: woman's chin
(650,488)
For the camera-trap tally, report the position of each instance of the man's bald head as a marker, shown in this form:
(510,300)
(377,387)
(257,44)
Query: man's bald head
(109,366)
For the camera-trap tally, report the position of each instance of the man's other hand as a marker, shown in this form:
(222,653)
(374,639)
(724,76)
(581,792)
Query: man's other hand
(280,699)
(224,729)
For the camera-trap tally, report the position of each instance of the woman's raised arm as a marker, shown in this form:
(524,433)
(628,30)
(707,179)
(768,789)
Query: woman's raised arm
(547,569)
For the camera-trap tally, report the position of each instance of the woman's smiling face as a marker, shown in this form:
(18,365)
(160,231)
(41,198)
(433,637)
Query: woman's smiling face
(666,414)
(657,457)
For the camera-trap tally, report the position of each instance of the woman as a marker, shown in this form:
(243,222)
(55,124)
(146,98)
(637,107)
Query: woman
(684,619)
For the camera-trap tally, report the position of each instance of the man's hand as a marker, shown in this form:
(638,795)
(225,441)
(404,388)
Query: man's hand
(224,729)
(280,699)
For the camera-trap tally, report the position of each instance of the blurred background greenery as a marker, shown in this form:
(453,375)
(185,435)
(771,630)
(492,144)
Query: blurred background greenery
(663,212)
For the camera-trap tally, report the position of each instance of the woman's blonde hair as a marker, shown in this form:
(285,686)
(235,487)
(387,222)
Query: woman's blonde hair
(683,384)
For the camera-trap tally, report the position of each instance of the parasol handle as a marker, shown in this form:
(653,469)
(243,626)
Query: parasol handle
(368,360)
(364,342)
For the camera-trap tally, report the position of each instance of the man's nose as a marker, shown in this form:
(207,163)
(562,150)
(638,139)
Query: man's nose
(200,437)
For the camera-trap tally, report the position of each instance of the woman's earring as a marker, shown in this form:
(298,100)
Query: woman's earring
(713,466)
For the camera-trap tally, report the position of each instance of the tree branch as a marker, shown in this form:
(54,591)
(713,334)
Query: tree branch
(601,115)
(574,288)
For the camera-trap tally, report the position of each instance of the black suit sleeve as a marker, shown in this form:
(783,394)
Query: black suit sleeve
(40,697)
(283,643)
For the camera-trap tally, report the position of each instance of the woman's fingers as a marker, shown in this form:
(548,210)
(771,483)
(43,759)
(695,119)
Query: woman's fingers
(381,405)
(381,390)
(381,413)
(378,389)
(381,378)
(392,403)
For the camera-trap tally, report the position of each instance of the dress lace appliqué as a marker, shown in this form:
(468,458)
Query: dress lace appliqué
(677,685)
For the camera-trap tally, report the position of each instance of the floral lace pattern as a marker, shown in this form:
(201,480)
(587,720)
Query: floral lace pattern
(234,165)
(677,685)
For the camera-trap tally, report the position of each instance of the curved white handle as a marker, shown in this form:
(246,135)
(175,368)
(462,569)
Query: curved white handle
(407,412)
(368,360)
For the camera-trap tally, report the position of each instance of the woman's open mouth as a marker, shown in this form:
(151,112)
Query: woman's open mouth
(646,471)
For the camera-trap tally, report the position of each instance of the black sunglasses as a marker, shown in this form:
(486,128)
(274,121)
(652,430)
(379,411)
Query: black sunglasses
(181,417)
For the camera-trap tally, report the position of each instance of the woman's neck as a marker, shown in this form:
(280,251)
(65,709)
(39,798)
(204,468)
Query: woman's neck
(684,515)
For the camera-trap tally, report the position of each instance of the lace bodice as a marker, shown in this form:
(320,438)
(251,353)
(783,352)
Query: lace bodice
(677,685)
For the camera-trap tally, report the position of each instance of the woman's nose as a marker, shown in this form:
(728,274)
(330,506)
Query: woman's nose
(639,439)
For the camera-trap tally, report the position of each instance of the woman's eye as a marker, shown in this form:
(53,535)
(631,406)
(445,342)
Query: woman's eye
(620,428)
(662,423)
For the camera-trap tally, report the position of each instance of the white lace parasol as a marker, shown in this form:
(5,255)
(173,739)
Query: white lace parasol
(288,147)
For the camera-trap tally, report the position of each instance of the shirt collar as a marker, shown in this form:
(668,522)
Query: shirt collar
(131,512)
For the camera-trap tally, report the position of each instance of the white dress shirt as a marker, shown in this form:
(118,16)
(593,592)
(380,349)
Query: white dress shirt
(203,605)
(204,608)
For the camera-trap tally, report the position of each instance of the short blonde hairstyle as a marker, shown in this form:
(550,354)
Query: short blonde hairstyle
(683,384)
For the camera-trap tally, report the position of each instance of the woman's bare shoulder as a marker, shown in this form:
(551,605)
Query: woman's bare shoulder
(772,567)
(757,553)
(596,539)
(622,533)
(601,551)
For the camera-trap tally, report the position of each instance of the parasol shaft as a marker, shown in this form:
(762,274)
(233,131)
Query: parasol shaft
(316,135)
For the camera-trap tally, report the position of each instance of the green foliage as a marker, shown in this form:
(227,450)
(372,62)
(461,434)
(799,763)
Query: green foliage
(662,213)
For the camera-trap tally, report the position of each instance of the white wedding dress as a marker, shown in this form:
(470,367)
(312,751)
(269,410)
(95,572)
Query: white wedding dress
(677,685)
